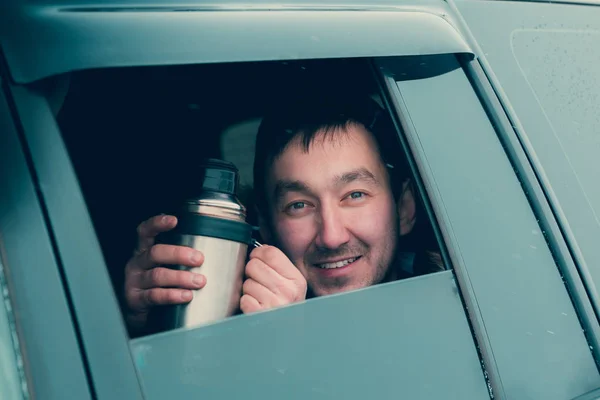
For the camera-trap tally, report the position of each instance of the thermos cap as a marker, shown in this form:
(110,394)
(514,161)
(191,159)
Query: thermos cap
(217,195)
(219,176)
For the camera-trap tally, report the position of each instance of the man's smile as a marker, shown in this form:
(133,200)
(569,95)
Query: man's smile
(336,264)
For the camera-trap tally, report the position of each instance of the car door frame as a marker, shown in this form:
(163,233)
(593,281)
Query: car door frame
(48,337)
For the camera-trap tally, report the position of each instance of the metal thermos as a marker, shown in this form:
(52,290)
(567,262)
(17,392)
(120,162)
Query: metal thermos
(213,222)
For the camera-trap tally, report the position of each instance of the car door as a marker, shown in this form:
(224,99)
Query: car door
(518,303)
(474,330)
(280,347)
(542,62)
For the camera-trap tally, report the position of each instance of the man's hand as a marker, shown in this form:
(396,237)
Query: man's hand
(273,281)
(147,284)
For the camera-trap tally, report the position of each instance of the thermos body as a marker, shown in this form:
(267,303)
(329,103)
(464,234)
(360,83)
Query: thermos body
(224,262)
(213,222)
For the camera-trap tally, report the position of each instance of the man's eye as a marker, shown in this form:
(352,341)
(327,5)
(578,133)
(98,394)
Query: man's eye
(356,195)
(296,208)
(297,205)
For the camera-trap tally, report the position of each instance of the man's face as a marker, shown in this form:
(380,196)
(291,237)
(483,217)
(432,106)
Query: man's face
(332,210)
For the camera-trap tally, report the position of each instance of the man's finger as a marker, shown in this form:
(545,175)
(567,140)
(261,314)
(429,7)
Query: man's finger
(161,277)
(148,230)
(257,270)
(278,261)
(171,255)
(263,295)
(249,304)
(149,298)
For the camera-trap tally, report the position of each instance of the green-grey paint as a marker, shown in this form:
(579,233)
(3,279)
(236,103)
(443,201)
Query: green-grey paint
(51,353)
(406,339)
(45,39)
(499,250)
(545,58)
(12,378)
(104,337)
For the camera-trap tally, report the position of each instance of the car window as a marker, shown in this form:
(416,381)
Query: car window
(115,121)
(129,130)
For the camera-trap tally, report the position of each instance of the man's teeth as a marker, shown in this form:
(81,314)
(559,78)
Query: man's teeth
(338,264)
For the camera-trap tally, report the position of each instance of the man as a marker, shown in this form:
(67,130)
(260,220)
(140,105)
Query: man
(331,206)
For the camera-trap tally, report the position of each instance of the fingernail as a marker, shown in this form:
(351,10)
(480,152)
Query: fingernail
(196,257)
(164,220)
(197,280)
(187,295)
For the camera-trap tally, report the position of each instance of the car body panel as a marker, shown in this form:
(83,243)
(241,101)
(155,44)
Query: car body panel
(293,352)
(12,379)
(545,61)
(46,331)
(499,249)
(525,327)
(94,304)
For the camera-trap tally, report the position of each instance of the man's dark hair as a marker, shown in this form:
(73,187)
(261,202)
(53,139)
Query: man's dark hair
(322,112)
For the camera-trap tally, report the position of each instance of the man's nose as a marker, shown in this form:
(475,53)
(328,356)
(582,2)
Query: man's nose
(332,230)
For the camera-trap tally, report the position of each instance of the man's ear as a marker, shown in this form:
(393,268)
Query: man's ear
(407,208)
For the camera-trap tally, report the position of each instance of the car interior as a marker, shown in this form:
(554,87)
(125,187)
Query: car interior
(136,135)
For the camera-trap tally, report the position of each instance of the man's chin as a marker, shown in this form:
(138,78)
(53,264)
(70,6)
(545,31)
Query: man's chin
(326,290)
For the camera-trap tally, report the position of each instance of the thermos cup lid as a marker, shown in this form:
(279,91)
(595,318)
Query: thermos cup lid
(219,176)
(215,210)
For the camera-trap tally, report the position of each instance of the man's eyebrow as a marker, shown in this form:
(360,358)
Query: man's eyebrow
(360,174)
(284,186)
